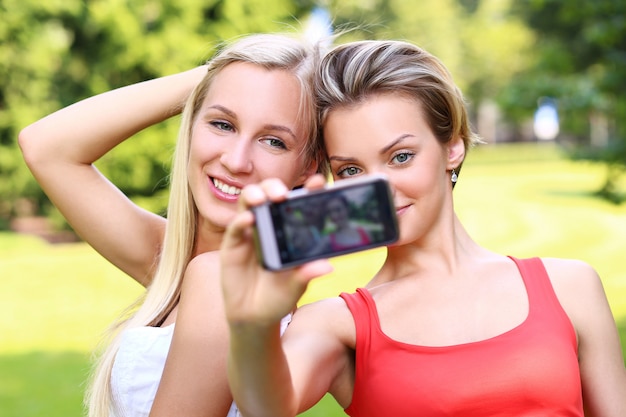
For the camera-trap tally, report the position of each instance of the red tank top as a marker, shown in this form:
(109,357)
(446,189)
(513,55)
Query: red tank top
(530,370)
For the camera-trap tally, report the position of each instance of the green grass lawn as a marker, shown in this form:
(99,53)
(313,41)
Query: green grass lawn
(518,200)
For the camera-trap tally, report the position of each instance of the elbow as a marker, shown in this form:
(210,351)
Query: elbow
(32,144)
(27,141)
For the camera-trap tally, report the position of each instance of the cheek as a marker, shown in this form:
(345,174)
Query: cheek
(197,147)
(200,153)
(203,149)
(287,168)
(414,184)
(193,161)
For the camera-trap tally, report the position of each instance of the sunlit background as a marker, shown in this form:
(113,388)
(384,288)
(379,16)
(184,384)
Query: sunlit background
(545,82)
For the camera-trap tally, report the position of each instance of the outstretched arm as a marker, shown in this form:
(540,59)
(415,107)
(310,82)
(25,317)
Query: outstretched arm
(60,150)
(265,378)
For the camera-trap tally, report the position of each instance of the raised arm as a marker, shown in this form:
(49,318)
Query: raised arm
(60,150)
(267,377)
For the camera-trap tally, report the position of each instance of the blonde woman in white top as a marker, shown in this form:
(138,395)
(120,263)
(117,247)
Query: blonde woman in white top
(246,115)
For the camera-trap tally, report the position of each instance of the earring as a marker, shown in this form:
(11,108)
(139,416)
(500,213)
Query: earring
(454,177)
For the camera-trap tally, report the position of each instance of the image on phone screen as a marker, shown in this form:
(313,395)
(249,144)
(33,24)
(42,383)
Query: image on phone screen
(333,222)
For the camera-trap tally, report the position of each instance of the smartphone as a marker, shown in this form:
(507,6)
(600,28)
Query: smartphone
(345,217)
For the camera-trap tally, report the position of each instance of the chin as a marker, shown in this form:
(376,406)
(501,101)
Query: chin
(217,219)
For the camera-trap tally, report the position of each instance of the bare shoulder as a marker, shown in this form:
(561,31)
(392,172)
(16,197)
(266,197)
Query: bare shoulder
(200,295)
(202,266)
(324,309)
(201,278)
(204,260)
(572,275)
(579,289)
(330,315)
(569,266)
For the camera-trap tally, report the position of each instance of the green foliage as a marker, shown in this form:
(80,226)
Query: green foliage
(481,44)
(54,53)
(581,49)
(582,53)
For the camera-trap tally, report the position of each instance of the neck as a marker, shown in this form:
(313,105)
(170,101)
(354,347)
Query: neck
(208,238)
(442,253)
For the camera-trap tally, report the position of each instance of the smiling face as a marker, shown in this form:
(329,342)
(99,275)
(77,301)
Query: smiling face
(388,134)
(247,130)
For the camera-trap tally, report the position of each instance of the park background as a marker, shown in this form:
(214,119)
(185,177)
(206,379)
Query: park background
(525,193)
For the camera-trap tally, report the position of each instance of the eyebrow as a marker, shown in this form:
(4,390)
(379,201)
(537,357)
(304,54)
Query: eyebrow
(282,129)
(267,126)
(223,109)
(394,143)
(341,158)
(384,150)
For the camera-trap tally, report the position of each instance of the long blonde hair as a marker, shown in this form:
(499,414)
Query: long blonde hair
(271,51)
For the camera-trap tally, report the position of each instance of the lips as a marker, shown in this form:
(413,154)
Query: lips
(225,188)
(401,209)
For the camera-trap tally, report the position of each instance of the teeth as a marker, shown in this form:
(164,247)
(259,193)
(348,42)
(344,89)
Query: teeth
(225,188)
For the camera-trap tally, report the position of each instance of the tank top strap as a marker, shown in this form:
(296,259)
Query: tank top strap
(541,295)
(363,310)
(533,274)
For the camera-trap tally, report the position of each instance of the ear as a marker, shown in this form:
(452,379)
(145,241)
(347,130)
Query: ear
(456,153)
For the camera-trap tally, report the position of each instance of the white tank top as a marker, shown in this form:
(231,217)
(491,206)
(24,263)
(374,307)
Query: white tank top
(138,367)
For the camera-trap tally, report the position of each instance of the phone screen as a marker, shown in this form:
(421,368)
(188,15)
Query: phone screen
(333,222)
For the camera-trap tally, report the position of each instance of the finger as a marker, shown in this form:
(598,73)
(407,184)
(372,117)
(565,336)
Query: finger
(312,270)
(315,182)
(251,195)
(275,189)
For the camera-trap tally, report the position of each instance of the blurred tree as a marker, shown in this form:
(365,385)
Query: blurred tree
(580,61)
(57,52)
(479,41)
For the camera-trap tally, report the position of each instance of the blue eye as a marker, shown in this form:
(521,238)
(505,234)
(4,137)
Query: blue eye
(348,172)
(221,125)
(275,143)
(402,157)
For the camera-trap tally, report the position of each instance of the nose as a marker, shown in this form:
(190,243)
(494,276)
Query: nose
(389,175)
(237,157)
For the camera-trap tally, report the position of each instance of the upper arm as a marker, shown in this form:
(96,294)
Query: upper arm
(317,350)
(194,380)
(126,235)
(60,150)
(601,361)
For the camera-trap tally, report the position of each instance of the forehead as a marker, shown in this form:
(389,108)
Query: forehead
(248,89)
(249,74)
(373,123)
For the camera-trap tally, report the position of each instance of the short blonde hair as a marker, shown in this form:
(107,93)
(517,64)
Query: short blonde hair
(352,72)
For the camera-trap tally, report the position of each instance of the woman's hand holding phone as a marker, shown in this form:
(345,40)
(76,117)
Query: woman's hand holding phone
(254,295)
